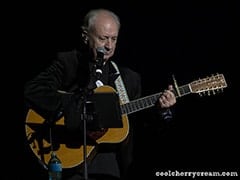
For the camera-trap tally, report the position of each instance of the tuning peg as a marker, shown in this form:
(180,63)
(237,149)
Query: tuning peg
(209,93)
(214,92)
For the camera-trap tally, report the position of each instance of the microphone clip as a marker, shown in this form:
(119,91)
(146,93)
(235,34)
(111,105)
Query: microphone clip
(99,61)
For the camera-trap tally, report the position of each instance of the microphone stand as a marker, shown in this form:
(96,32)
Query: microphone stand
(85,117)
(99,63)
(85,139)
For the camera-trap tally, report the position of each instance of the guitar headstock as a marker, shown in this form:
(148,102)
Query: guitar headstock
(209,84)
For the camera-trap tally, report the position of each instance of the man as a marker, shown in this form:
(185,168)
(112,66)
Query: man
(73,76)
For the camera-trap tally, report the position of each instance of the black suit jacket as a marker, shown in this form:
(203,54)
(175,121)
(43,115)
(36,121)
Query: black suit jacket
(59,89)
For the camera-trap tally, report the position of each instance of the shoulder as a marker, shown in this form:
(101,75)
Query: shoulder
(67,55)
(68,59)
(130,74)
(132,81)
(126,71)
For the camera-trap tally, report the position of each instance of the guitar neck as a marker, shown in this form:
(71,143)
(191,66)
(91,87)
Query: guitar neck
(150,101)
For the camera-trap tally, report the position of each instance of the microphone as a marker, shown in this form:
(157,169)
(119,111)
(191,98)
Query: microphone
(99,61)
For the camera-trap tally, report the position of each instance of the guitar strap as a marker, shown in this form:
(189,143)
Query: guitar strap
(120,86)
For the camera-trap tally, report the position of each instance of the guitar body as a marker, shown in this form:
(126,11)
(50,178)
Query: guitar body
(70,150)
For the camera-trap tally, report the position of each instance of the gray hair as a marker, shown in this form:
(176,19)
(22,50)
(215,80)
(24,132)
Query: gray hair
(89,19)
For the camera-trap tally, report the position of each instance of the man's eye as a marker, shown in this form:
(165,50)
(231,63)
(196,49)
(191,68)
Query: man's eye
(102,38)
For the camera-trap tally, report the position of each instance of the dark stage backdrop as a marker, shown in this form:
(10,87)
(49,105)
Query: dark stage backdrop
(189,39)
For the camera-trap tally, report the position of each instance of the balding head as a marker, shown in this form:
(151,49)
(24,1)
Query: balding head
(93,16)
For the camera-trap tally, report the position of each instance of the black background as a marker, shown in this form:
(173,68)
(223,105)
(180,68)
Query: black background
(190,39)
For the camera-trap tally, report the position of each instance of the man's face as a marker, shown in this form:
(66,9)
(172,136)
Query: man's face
(104,34)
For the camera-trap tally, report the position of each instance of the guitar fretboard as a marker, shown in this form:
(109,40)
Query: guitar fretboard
(150,101)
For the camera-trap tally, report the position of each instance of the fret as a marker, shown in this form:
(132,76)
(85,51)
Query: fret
(139,104)
(134,106)
(184,90)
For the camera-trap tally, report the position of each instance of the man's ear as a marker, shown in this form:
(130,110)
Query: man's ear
(85,36)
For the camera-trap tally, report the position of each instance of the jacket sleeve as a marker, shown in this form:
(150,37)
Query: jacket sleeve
(57,90)
(41,93)
(45,93)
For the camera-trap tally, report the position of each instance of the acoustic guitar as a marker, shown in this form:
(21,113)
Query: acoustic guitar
(70,150)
